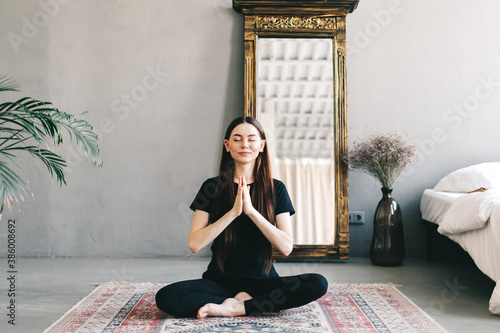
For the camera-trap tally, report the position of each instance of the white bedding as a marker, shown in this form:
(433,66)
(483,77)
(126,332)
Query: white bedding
(435,204)
(482,240)
(470,212)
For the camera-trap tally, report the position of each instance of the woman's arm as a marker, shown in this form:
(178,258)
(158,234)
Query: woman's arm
(280,235)
(202,233)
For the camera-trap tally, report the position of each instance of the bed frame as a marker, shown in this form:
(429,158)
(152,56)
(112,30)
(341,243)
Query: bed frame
(431,229)
(434,235)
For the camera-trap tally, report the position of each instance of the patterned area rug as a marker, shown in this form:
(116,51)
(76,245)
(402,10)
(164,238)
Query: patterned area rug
(130,307)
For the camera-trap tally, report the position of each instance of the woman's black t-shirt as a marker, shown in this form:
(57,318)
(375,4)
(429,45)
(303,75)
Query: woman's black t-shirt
(246,260)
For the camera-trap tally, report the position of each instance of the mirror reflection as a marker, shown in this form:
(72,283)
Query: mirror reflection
(295,106)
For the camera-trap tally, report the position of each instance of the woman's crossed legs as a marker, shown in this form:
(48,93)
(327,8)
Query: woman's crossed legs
(236,297)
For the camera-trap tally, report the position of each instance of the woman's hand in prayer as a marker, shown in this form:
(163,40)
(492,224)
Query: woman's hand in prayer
(238,201)
(245,193)
(243,201)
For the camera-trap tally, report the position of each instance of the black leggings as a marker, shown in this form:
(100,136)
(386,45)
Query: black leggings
(185,298)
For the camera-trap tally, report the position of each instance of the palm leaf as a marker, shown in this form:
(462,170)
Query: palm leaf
(26,125)
(12,187)
(82,132)
(54,163)
(8,84)
(30,117)
(40,121)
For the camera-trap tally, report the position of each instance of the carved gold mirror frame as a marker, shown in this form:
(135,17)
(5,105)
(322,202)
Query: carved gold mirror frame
(306,19)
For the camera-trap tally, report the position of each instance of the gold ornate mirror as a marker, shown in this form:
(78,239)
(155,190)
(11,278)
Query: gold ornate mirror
(295,85)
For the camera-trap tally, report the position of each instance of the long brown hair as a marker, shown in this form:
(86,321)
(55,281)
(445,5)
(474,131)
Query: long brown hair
(262,195)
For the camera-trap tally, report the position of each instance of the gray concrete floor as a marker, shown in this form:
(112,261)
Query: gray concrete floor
(455,294)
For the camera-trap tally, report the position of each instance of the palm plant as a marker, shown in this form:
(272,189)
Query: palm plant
(32,126)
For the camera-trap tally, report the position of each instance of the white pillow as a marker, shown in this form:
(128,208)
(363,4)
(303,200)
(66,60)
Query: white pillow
(471,178)
(469,212)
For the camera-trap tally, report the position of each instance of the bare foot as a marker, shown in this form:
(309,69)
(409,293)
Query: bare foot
(242,296)
(231,307)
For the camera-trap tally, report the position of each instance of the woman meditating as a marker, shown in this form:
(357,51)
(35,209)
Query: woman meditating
(243,211)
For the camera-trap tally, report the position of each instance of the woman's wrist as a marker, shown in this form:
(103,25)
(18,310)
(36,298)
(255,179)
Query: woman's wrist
(232,214)
(252,213)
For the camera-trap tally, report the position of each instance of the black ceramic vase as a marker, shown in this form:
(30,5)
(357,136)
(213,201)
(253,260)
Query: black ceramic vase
(388,248)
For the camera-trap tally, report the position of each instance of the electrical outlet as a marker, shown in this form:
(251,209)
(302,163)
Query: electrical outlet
(356,217)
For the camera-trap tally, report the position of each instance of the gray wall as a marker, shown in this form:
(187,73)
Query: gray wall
(162,79)
(430,70)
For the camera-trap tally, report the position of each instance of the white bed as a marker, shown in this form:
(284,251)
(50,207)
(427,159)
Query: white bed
(470,219)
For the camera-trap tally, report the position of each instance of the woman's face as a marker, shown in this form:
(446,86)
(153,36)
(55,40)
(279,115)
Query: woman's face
(245,143)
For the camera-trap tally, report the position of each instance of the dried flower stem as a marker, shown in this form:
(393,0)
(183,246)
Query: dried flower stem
(384,156)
